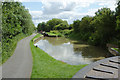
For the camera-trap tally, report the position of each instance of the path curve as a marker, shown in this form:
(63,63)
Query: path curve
(19,65)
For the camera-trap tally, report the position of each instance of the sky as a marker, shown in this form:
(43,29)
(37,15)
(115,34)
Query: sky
(70,10)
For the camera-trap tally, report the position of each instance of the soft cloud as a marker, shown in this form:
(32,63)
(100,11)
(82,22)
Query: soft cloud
(110,4)
(57,7)
(68,10)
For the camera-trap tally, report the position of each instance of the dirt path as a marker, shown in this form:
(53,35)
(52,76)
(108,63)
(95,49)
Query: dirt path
(20,63)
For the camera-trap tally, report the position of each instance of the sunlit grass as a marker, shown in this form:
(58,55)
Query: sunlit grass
(45,66)
(116,49)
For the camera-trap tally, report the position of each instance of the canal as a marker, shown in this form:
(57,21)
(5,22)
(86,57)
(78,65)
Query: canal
(71,52)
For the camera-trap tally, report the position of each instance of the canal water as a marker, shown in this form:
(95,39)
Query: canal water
(71,52)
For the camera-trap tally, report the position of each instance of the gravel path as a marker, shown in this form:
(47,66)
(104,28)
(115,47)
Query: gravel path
(20,63)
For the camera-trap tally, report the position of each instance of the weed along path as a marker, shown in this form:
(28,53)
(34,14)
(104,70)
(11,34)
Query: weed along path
(20,63)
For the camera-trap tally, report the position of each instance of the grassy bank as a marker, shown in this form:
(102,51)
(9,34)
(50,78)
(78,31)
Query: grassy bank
(54,33)
(44,66)
(61,33)
(9,48)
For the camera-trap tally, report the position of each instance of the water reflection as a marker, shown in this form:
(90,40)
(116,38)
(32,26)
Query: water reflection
(64,50)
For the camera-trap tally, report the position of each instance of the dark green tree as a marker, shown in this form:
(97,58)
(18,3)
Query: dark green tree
(118,23)
(41,27)
(85,28)
(76,25)
(70,26)
(104,23)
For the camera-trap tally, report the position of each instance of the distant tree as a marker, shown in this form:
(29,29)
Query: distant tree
(41,27)
(61,26)
(70,26)
(52,23)
(65,24)
(58,27)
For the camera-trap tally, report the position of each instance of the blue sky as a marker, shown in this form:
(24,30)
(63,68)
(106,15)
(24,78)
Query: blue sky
(33,6)
(44,10)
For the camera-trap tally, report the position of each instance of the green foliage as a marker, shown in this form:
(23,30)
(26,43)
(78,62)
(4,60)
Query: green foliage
(76,25)
(16,19)
(70,26)
(54,33)
(9,47)
(104,23)
(61,26)
(41,27)
(86,28)
(97,30)
(66,32)
(16,24)
(60,33)
(0,21)
(83,27)
(118,24)
(118,8)
(54,24)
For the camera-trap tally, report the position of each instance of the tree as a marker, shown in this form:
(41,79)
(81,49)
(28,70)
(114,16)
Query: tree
(52,23)
(61,26)
(16,21)
(104,23)
(70,26)
(118,23)
(76,25)
(85,28)
(41,27)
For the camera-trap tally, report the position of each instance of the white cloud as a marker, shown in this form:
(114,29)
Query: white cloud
(57,7)
(110,4)
(67,10)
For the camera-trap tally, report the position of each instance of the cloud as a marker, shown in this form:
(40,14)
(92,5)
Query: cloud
(110,4)
(68,10)
(52,8)
(57,7)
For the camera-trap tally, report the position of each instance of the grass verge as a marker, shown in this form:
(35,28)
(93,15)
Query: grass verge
(44,66)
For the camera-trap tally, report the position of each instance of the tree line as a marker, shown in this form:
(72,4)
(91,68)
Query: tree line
(100,29)
(97,30)
(16,20)
(54,24)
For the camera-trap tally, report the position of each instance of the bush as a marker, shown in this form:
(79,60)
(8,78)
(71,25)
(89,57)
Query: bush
(17,24)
